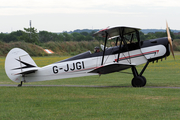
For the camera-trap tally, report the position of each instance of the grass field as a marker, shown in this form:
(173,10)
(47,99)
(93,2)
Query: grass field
(123,102)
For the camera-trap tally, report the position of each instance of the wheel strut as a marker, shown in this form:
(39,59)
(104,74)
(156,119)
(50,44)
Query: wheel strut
(23,77)
(144,68)
(19,85)
(138,80)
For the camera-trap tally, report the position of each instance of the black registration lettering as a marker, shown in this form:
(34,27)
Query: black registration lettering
(55,69)
(67,69)
(77,65)
(73,67)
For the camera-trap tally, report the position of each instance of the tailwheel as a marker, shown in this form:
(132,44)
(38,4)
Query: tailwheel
(19,85)
(138,81)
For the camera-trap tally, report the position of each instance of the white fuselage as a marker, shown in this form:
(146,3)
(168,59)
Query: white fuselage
(82,67)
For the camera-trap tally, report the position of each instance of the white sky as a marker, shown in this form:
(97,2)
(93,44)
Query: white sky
(68,15)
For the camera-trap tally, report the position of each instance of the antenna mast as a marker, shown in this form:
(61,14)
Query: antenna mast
(30,28)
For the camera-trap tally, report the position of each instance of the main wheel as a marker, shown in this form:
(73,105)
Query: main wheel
(144,81)
(138,81)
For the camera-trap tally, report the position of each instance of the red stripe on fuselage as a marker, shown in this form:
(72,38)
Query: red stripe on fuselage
(138,55)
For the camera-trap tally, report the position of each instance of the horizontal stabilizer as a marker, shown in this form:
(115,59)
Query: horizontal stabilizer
(28,71)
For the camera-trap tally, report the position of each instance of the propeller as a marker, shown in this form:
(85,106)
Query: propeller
(169,39)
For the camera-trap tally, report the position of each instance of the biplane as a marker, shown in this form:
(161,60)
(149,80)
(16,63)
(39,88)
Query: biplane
(128,52)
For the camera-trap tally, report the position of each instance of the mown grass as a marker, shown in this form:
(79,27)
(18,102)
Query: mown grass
(123,102)
(89,103)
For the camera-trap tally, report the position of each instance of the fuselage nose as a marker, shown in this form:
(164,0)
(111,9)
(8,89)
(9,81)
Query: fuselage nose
(164,41)
(155,42)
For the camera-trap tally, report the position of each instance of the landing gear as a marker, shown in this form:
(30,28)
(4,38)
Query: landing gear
(19,85)
(138,80)
(23,77)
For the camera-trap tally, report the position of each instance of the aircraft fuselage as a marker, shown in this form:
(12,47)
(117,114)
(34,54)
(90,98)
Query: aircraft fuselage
(87,64)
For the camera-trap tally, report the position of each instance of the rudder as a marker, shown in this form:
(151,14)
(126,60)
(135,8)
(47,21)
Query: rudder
(17,63)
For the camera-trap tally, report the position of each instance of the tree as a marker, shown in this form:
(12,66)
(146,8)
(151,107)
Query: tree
(17,35)
(67,36)
(31,35)
(160,34)
(43,36)
(2,36)
(84,33)
(142,36)
(61,37)
(177,36)
(150,36)
(88,38)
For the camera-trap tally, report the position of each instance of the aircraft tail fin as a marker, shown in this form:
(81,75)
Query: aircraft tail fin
(18,63)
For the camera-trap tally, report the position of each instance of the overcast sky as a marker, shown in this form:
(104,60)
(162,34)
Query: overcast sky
(68,15)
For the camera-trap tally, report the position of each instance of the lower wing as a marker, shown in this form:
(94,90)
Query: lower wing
(105,69)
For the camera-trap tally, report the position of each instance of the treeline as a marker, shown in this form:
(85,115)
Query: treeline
(30,35)
(45,36)
(152,35)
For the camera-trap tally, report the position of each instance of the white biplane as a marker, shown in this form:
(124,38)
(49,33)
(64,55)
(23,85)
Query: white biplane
(129,53)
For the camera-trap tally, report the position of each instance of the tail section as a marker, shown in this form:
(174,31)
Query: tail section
(18,63)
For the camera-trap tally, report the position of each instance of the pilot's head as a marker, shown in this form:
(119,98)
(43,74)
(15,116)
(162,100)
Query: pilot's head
(96,49)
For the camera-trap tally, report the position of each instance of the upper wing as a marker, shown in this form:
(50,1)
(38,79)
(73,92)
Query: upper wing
(115,31)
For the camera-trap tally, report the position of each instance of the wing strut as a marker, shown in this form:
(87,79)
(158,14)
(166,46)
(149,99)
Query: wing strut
(116,41)
(131,38)
(121,39)
(104,48)
(119,51)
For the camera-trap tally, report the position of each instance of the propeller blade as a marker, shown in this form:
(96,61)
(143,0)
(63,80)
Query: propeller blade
(169,39)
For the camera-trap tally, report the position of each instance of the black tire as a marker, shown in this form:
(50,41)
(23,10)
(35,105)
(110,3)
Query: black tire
(133,82)
(138,81)
(144,80)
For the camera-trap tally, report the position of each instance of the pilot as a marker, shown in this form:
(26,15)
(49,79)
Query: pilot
(96,49)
